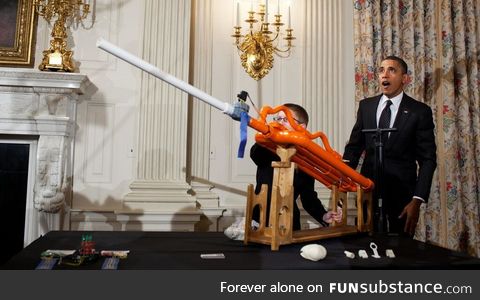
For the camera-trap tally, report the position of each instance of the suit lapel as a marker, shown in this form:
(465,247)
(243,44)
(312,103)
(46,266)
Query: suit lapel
(403,114)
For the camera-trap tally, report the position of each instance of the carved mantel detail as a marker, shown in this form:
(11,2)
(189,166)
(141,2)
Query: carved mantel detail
(43,106)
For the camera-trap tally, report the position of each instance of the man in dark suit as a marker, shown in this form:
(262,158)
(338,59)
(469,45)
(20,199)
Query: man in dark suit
(409,154)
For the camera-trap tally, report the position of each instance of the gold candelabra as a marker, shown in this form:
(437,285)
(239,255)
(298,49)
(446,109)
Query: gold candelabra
(58,57)
(257,46)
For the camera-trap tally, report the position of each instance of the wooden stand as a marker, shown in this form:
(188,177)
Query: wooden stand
(279,230)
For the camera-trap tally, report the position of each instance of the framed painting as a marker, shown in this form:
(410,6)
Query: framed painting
(18,24)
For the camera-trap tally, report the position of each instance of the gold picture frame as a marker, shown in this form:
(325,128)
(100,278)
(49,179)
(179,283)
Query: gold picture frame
(18,23)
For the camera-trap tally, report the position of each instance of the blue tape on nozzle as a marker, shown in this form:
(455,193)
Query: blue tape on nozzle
(244,119)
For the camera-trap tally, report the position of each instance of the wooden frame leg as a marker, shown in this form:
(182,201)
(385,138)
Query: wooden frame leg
(362,198)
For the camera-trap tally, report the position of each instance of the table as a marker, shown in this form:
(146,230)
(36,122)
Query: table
(181,251)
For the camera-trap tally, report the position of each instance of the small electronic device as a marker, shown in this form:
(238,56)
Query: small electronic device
(212,256)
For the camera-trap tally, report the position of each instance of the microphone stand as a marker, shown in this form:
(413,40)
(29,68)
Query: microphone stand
(380,216)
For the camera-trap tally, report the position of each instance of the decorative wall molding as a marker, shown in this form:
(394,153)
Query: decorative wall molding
(99,149)
(323,68)
(160,181)
(200,117)
(327,81)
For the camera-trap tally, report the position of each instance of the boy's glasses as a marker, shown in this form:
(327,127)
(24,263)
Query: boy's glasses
(284,119)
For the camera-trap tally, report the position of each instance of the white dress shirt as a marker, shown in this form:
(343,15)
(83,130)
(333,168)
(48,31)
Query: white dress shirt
(393,108)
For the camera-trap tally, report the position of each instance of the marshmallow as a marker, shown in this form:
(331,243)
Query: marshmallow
(390,253)
(313,252)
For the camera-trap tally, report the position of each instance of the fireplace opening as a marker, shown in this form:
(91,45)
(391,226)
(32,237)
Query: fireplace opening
(14,167)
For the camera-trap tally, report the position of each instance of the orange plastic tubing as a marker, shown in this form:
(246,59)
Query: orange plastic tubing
(322,163)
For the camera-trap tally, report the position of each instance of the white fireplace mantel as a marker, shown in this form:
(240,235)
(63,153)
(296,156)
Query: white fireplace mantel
(76,83)
(41,106)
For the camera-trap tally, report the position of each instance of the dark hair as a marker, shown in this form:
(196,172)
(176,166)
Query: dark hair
(400,61)
(300,112)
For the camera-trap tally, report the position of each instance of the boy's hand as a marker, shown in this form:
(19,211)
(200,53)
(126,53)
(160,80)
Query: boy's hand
(331,216)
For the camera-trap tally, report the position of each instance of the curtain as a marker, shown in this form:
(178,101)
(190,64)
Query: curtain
(440,41)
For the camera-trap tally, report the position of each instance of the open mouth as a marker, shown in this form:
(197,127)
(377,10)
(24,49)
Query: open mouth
(385,83)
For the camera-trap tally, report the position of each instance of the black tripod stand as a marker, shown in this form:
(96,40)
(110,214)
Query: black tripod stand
(380,216)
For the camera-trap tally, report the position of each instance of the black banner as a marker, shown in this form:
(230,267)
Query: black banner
(238,284)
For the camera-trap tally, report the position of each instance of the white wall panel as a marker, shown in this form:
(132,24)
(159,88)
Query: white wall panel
(106,125)
(99,144)
(101,22)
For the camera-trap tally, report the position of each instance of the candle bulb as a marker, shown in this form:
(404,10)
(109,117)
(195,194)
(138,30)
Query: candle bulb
(278,7)
(289,19)
(266,11)
(238,14)
(251,5)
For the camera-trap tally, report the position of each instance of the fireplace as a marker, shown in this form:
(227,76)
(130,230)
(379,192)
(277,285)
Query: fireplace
(14,168)
(37,119)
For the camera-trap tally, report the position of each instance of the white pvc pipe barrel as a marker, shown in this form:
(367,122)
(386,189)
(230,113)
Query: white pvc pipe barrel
(168,78)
